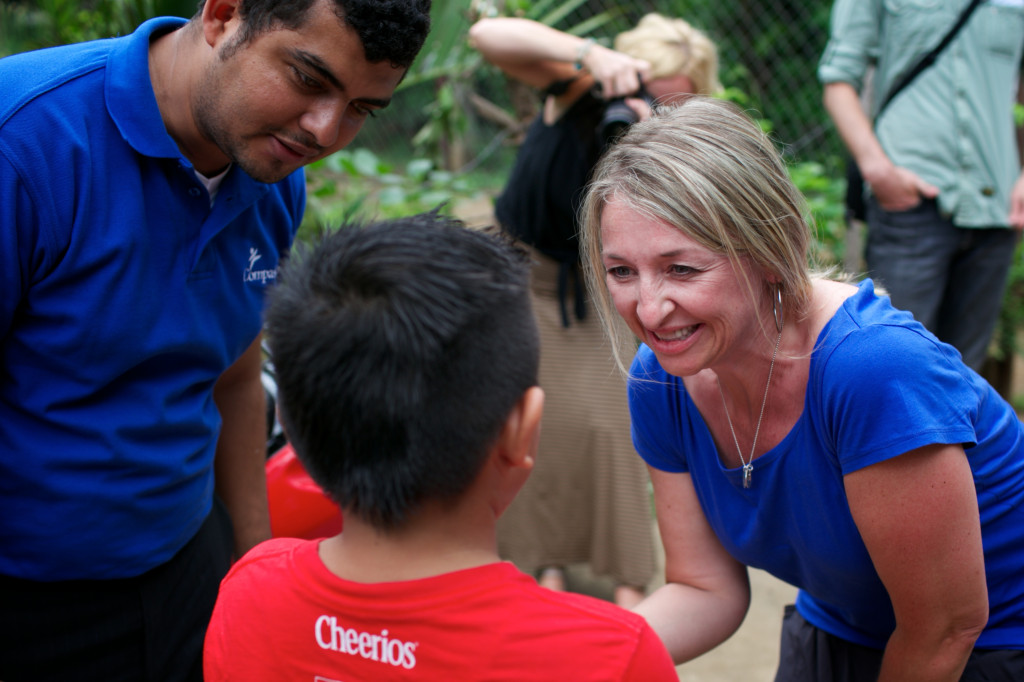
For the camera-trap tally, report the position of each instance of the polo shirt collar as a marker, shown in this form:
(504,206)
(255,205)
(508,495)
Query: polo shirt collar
(129,91)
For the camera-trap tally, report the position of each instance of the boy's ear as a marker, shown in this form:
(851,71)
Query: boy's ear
(521,432)
(516,448)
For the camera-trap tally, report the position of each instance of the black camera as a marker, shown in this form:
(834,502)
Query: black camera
(618,116)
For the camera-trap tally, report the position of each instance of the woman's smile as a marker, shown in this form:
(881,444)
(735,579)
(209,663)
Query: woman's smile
(685,301)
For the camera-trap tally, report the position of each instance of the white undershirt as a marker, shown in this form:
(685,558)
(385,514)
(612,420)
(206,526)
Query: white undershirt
(212,184)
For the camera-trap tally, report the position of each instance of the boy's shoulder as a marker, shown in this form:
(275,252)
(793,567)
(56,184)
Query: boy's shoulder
(272,550)
(446,624)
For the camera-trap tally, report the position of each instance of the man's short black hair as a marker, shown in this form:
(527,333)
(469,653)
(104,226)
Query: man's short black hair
(400,349)
(390,30)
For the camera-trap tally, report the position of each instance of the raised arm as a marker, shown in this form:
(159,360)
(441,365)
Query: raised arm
(918,516)
(539,56)
(895,187)
(707,592)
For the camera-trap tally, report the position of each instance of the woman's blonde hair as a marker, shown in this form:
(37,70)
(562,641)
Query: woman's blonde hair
(707,169)
(673,47)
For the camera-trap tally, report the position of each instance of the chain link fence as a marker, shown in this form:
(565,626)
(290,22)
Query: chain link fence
(768,54)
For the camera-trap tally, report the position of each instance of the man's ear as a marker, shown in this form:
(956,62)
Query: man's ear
(220,19)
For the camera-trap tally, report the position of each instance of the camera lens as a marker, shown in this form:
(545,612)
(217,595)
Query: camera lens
(617,117)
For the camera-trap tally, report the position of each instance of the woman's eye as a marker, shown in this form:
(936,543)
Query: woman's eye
(682,270)
(618,271)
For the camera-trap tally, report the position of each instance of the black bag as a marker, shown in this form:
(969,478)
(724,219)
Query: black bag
(856,206)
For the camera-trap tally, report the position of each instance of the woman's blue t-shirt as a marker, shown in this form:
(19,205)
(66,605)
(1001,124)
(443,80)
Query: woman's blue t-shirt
(880,385)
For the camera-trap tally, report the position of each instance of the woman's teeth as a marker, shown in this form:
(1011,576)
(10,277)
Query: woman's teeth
(677,335)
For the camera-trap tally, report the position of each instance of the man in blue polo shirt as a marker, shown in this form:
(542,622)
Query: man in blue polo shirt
(149,186)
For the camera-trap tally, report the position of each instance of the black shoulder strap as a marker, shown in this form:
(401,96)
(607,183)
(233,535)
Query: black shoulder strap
(929,58)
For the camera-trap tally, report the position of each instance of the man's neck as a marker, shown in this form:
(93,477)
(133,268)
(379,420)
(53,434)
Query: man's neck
(174,62)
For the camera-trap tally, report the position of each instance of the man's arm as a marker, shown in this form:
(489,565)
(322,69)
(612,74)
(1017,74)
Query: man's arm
(241,449)
(896,188)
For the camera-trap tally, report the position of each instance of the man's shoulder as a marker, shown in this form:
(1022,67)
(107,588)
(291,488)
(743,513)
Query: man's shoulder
(27,76)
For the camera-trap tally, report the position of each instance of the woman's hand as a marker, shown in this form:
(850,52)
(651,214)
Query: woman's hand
(617,74)
(918,516)
(707,592)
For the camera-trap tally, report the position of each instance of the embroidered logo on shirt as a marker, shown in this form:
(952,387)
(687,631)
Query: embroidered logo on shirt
(334,637)
(251,274)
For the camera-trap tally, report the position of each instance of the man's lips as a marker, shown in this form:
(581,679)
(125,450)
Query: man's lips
(298,149)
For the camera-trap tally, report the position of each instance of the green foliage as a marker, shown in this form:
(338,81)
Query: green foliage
(825,196)
(30,26)
(356,184)
(1011,318)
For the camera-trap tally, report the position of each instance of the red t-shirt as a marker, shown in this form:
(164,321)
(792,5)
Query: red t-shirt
(282,615)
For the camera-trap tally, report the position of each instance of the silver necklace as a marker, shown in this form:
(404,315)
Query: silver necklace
(748,464)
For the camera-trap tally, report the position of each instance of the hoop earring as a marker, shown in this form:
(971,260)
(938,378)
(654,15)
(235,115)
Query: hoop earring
(777,308)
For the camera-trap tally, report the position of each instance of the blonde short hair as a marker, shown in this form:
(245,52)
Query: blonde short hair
(673,47)
(707,169)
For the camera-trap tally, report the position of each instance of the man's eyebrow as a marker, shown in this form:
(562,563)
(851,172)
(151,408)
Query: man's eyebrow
(314,62)
(318,65)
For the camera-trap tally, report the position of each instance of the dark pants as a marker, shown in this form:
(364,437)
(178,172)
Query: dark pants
(951,278)
(809,654)
(146,628)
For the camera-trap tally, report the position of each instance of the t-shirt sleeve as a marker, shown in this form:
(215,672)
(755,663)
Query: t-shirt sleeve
(658,421)
(651,661)
(235,635)
(888,389)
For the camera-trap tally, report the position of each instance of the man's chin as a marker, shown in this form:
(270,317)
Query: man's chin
(268,174)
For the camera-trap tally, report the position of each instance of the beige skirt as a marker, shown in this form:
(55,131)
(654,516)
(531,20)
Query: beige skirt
(587,499)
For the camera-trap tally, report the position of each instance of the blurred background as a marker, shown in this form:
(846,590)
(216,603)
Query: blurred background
(451,133)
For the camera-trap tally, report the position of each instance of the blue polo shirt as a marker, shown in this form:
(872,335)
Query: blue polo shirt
(125,295)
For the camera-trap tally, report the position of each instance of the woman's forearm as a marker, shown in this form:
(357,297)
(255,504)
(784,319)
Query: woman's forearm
(691,621)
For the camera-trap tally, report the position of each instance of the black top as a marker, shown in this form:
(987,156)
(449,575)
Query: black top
(545,189)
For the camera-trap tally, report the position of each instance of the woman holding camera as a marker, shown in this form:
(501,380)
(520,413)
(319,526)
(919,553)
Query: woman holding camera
(587,500)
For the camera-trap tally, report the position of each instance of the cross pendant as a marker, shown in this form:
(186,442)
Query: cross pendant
(748,468)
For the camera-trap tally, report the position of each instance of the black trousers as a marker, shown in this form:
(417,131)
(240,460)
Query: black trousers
(146,628)
(809,654)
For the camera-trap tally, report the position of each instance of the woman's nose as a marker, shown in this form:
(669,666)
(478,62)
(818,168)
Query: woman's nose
(652,304)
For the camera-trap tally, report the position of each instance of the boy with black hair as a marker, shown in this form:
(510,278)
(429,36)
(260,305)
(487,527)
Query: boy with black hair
(406,355)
